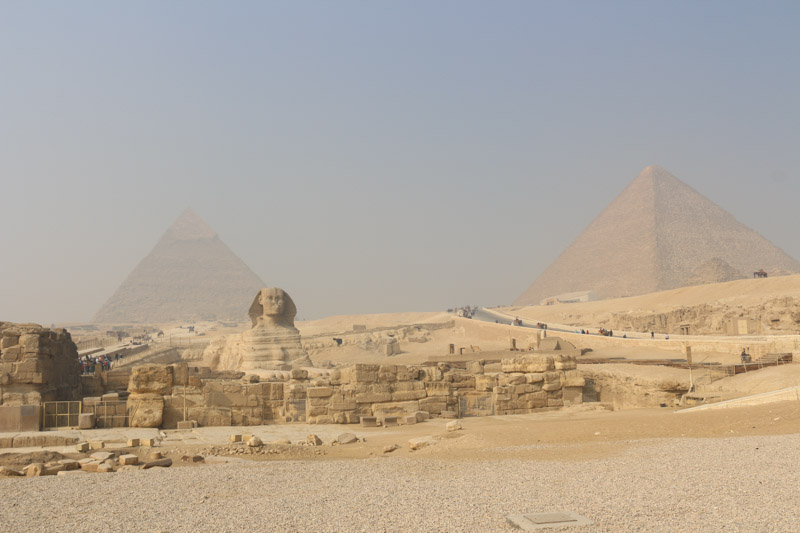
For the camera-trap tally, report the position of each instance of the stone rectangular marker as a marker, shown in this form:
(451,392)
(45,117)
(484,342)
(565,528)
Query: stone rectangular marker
(535,522)
(369,422)
(390,421)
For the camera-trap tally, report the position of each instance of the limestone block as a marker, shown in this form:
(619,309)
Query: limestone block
(387,377)
(8,340)
(317,410)
(351,417)
(421,442)
(82,447)
(437,389)
(148,442)
(313,440)
(187,424)
(401,396)
(319,392)
(363,373)
(552,377)
(346,438)
(422,416)
(32,343)
(97,445)
(475,367)
(299,374)
(573,378)
(166,462)
(133,443)
(86,421)
(153,379)
(145,410)
(70,464)
(110,397)
(405,373)
(34,470)
(91,466)
(551,386)
(454,425)
(373,397)
(555,402)
(295,392)
(408,420)
(572,395)
(101,456)
(397,408)
(10,472)
(433,405)
(338,403)
(254,442)
(128,459)
(211,416)
(485,383)
(528,364)
(565,362)
(431,374)
(318,402)
(536,377)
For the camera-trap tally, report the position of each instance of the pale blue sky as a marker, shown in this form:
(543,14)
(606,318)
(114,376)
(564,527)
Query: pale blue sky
(375,156)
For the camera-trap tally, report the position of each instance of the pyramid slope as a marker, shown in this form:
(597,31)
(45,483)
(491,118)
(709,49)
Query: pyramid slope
(189,275)
(653,237)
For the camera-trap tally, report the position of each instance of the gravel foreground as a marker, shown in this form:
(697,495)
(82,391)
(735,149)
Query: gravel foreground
(732,484)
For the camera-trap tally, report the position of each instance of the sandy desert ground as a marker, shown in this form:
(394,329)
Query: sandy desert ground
(639,470)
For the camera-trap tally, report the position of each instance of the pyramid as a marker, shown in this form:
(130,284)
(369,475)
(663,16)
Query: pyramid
(658,234)
(189,275)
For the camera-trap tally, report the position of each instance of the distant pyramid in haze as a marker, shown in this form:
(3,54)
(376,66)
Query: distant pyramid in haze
(189,275)
(658,234)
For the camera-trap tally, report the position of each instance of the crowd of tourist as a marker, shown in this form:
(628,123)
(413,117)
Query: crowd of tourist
(91,363)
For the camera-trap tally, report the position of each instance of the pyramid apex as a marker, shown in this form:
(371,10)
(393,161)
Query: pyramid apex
(654,172)
(189,226)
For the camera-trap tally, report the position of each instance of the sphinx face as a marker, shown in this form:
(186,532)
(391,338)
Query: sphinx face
(273,302)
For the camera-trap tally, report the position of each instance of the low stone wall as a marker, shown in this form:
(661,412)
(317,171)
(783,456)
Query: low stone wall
(162,395)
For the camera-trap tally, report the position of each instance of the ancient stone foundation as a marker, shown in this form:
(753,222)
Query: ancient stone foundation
(37,365)
(165,395)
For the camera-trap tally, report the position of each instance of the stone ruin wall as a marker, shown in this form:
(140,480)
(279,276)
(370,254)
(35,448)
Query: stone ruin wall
(518,385)
(37,365)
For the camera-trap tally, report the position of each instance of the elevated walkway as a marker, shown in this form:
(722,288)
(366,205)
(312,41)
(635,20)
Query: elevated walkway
(781,395)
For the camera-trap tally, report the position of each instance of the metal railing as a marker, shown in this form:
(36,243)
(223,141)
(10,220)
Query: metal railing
(60,414)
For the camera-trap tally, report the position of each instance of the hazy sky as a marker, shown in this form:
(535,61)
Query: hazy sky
(375,156)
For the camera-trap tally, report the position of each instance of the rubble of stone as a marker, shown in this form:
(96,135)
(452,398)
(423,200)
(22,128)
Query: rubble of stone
(163,395)
(37,365)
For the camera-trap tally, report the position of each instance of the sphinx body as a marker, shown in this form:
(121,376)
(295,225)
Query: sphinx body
(273,343)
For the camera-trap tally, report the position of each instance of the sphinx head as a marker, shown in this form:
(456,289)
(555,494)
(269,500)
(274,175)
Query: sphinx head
(272,306)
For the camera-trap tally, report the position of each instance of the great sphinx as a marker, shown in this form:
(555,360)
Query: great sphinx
(272,343)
